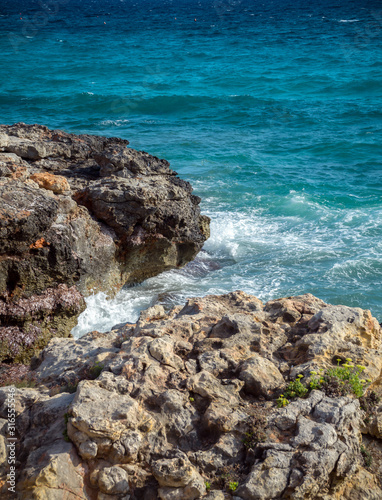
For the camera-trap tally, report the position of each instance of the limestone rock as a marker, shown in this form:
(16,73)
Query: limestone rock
(84,211)
(113,480)
(260,375)
(207,386)
(175,472)
(187,398)
(56,183)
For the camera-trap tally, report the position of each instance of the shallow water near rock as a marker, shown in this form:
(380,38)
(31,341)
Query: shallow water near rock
(270,110)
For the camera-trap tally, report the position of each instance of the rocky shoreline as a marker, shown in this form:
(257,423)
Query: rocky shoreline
(215,399)
(81,214)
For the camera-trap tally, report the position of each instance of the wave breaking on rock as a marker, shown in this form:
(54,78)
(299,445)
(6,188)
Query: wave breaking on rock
(82,214)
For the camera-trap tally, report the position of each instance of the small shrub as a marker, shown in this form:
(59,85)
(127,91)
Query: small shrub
(228,475)
(71,388)
(25,383)
(340,380)
(282,401)
(296,389)
(256,431)
(208,485)
(335,381)
(95,370)
(232,486)
(316,380)
(366,455)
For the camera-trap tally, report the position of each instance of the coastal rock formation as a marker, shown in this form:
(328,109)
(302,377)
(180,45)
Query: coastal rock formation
(80,214)
(188,404)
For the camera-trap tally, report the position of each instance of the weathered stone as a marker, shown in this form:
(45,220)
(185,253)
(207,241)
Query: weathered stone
(260,376)
(56,183)
(361,486)
(207,386)
(115,413)
(63,359)
(162,350)
(165,411)
(215,495)
(25,148)
(88,449)
(113,480)
(194,489)
(175,472)
(268,479)
(106,216)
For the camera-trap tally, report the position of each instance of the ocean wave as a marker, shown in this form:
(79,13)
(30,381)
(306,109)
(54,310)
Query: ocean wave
(263,253)
(169,288)
(357,269)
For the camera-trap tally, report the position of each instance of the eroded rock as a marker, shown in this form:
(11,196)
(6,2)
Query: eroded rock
(84,211)
(183,405)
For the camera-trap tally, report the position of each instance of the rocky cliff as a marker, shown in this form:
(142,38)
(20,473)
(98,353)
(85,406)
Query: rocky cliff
(80,214)
(222,398)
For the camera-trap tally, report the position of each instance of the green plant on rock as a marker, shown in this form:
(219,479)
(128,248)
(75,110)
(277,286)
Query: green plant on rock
(296,389)
(208,485)
(25,383)
(229,476)
(340,380)
(71,388)
(282,401)
(233,485)
(336,381)
(316,380)
(65,431)
(95,370)
(366,455)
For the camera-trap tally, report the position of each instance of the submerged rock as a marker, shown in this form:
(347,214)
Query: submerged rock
(86,212)
(183,405)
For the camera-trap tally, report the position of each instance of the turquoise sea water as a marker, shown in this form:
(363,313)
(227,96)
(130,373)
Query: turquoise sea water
(271,109)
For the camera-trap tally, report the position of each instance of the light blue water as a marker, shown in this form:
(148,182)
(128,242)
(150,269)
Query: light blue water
(271,109)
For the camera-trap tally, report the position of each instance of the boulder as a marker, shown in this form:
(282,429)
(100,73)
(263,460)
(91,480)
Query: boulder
(260,375)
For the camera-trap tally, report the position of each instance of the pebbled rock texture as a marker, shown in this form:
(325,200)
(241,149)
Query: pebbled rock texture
(86,212)
(182,405)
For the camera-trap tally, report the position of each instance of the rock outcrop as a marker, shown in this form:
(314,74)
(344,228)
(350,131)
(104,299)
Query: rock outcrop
(81,214)
(185,404)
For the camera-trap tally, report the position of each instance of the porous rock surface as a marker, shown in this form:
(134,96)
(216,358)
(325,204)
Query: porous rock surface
(181,405)
(86,212)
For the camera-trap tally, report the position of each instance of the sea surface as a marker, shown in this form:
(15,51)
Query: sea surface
(271,109)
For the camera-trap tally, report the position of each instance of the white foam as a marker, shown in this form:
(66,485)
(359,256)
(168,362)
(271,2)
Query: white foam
(101,313)
(169,288)
(117,123)
(297,246)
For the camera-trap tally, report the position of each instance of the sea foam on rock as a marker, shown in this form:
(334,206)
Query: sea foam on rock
(86,212)
(183,402)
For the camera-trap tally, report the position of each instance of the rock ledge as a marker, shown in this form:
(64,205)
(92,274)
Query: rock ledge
(86,212)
